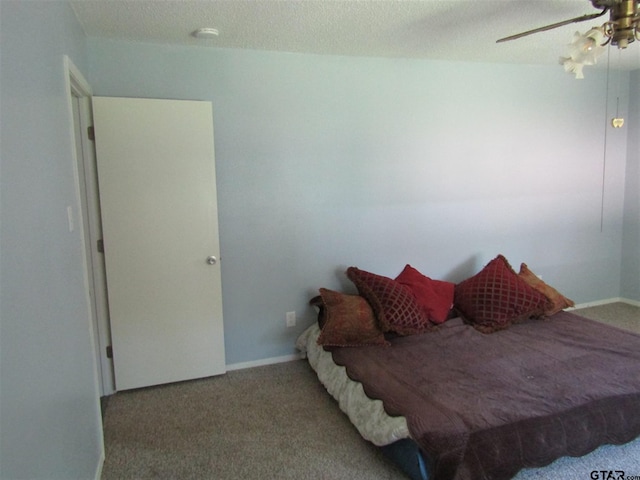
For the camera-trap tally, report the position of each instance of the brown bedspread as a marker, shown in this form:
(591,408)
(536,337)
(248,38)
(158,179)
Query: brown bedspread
(485,406)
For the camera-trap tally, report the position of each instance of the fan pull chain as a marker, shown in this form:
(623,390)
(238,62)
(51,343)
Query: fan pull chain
(604,152)
(618,121)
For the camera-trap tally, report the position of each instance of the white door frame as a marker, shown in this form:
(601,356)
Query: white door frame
(88,208)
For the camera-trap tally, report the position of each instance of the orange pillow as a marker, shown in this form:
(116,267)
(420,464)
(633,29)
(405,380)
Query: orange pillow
(558,301)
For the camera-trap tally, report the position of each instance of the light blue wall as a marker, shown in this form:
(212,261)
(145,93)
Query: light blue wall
(49,409)
(325,162)
(631,238)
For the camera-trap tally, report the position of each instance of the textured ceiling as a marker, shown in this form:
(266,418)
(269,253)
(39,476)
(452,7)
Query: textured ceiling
(431,29)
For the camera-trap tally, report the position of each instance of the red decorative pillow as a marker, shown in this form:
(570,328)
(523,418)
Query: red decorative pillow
(348,321)
(557,300)
(435,297)
(496,296)
(393,304)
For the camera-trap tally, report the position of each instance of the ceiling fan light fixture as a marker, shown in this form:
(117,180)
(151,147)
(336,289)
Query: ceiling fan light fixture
(622,28)
(623,43)
(571,66)
(587,44)
(584,50)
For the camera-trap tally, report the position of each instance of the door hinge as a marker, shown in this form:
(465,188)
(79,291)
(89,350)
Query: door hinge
(91,133)
(100,246)
(109,351)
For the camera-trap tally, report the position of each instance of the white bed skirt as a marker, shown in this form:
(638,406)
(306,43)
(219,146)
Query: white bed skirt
(368,415)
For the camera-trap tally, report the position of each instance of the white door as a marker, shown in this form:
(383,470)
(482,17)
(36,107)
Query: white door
(156,175)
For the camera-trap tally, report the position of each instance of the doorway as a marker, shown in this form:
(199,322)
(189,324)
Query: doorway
(176,333)
(90,222)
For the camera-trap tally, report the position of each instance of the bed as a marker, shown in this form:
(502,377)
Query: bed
(466,401)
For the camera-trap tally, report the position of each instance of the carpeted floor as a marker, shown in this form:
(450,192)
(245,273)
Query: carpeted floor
(621,315)
(278,422)
(274,422)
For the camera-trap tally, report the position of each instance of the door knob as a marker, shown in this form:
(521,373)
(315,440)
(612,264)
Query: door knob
(211,260)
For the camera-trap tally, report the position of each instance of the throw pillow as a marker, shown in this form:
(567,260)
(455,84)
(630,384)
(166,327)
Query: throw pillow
(558,301)
(348,321)
(496,297)
(435,297)
(393,304)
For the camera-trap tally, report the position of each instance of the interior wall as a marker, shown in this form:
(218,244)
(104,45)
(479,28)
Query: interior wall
(49,408)
(325,162)
(631,238)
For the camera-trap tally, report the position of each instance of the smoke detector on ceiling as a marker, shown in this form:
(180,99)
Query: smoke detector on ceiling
(205,33)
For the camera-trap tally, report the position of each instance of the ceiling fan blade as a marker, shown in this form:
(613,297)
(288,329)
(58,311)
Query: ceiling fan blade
(583,18)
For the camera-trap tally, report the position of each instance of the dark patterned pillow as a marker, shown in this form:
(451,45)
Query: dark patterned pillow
(348,321)
(394,305)
(496,297)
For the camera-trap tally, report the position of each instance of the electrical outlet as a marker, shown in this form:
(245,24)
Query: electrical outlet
(291,319)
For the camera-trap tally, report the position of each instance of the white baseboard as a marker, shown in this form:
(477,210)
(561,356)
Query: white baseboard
(635,303)
(264,361)
(605,302)
(100,464)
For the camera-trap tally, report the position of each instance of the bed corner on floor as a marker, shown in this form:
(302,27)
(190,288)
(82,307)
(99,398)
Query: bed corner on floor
(484,406)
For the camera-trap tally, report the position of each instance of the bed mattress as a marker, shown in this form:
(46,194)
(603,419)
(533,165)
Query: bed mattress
(485,406)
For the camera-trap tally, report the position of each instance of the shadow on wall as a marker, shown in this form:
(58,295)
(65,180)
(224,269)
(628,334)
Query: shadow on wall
(464,270)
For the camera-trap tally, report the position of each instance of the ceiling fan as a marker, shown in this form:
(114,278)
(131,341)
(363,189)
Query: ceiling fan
(622,28)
